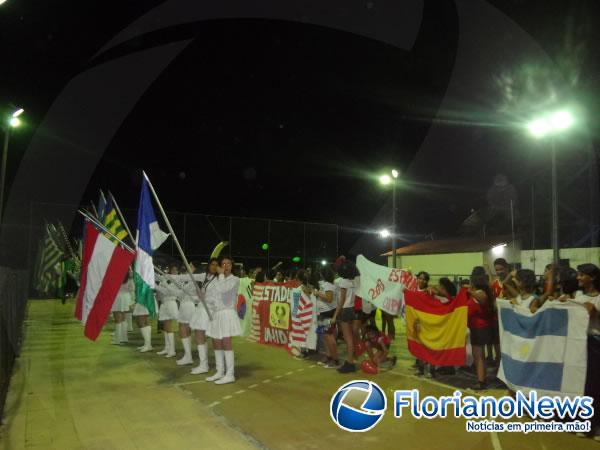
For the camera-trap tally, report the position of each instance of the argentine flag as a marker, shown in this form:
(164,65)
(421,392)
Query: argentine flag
(148,238)
(545,351)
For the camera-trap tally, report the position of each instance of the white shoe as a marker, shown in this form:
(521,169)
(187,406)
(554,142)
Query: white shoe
(145,349)
(215,377)
(199,369)
(185,361)
(226,379)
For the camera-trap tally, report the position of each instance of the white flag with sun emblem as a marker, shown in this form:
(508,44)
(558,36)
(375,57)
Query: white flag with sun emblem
(545,351)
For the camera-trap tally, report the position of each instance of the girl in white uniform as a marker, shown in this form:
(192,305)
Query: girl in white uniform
(168,291)
(200,321)
(122,303)
(225,322)
(187,307)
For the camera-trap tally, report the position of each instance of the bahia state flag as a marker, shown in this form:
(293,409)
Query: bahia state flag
(149,238)
(103,270)
(440,337)
(545,351)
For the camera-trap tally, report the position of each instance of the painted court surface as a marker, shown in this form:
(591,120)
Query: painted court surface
(70,393)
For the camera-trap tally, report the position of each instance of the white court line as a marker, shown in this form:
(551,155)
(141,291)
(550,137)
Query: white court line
(290,372)
(300,370)
(495,441)
(313,366)
(190,382)
(214,404)
(278,377)
(266,381)
(241,391)
(253,386)
(227,397)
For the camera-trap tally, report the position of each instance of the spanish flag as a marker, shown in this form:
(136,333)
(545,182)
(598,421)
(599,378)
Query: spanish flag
(437,331)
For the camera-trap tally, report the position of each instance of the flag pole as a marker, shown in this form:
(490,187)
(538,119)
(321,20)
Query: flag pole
(95,211)
(167,275)
(174,236)
(116,205)
(103,228)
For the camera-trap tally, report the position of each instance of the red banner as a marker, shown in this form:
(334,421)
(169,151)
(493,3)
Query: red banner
(272,308)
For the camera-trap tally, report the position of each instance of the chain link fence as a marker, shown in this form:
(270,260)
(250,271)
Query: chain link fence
(13,300)
(293,243)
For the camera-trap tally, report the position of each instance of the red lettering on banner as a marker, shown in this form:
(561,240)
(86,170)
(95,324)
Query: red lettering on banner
(377,290)
(391,304)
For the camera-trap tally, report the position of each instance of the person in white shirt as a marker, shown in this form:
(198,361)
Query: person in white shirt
(121,305)
(200,320)
(345,314)
(167,290)
(326,306)
(225,322)
(588,276)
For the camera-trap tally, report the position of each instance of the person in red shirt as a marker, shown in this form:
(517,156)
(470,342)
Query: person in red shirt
(481,311)
(378,346)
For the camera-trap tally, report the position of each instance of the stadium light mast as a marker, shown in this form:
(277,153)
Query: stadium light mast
(11,121)
(385,180)
(548,126)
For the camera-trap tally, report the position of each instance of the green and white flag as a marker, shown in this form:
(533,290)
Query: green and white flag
(149,238)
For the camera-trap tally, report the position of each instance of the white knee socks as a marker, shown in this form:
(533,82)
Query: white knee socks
(203,355)
(220,363)
(187,352)
(229,366)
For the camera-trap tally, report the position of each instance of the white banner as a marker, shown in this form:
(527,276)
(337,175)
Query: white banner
(384,286)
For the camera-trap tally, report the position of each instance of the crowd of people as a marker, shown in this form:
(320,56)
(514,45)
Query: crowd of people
(345,323)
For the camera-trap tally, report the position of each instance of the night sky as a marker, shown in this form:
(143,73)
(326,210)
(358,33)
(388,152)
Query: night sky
(262,118)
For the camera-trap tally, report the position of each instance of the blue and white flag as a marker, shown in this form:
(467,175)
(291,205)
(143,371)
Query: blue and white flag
(545,351)
(149,238)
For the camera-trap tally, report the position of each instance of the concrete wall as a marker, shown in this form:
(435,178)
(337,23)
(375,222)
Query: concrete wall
(440,264)
(537,259)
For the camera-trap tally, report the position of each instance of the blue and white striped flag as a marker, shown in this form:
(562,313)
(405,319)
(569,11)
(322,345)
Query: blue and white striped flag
(545,351)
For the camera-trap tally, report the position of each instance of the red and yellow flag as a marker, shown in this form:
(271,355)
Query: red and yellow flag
(437,331)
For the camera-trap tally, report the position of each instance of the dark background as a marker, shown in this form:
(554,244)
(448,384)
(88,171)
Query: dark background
(293,120)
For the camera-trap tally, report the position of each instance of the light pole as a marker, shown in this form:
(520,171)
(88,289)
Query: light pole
(549,126)
(385,180)
(12,122)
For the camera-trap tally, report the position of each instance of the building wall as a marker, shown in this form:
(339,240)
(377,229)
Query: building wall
(576,256)
(440,264)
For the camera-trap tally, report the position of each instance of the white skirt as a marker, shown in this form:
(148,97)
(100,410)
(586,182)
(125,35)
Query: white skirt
(200,320)
(122,302)
(168,310)
(140,310)
(225,323)
(186,311)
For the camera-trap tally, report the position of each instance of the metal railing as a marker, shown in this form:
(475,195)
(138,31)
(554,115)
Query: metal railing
(13,300)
